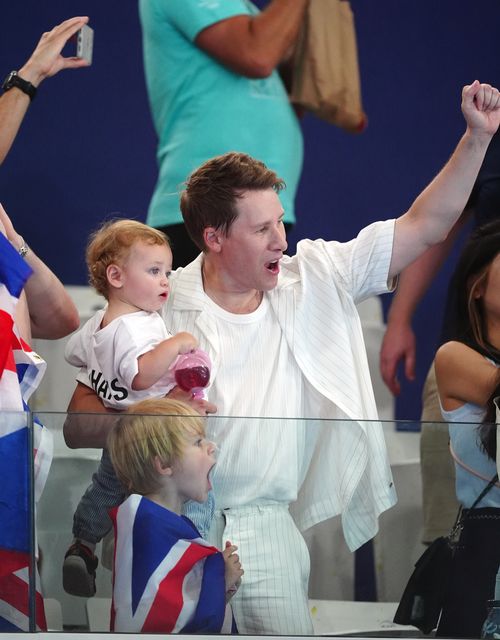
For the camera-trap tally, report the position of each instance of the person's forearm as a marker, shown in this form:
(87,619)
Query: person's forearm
(274,31)
(22,318)
(254,46)
(438,208)
(88,430)
(13,106)
(53,313)
(154,364)
(441,203)
(88,422)
(45,61)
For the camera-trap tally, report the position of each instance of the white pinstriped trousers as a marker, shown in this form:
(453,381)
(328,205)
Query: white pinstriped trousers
(273,596)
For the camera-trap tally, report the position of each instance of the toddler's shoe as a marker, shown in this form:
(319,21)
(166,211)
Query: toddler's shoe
(79,569)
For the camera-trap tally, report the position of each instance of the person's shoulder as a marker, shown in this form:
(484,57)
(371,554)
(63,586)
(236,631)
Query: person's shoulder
(138,326)
(452,350)
(307,247)
(453,356)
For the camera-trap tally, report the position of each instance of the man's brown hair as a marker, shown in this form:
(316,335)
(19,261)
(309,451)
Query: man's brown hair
(211,193)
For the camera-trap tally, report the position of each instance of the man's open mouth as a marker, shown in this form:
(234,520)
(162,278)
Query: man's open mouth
(273,267)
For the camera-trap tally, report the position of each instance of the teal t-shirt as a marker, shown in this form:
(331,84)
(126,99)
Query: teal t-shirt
(202,109)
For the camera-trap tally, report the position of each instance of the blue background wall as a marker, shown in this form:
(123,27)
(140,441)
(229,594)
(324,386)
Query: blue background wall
(87,147)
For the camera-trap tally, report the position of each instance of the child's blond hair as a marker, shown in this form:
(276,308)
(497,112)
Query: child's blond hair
(111,244)
(150,429)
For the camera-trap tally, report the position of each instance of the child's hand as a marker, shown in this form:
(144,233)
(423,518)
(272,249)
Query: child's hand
(185,342)
(201,406)
(233,570)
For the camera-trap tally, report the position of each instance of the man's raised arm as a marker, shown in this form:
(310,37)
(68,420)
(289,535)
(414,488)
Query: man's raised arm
(438,207)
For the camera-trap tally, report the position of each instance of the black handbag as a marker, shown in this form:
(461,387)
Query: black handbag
(424,595)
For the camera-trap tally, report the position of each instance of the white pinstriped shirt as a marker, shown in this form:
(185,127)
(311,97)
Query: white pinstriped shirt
(314,302)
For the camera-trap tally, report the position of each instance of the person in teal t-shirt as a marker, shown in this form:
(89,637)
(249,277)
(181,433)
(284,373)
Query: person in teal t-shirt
(213,87)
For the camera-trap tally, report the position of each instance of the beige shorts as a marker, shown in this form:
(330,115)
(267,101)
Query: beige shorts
(439,502)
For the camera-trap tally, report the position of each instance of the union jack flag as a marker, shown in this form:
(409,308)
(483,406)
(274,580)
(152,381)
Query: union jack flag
(166,578)
(20,373)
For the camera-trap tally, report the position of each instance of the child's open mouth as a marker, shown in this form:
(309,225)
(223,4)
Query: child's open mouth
(209,477)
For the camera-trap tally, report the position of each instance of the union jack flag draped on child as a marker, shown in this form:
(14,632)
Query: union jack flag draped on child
(166,578)
(20,373)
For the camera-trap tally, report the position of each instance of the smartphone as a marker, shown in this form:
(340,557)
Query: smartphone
(85,43)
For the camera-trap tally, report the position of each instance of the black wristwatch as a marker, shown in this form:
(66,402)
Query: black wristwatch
(14,80)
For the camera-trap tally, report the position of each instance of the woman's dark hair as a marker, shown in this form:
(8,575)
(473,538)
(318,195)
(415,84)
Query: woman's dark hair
(466,311)
(468,323)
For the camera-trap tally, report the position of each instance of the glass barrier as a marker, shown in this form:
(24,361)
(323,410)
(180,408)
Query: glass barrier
(349,593)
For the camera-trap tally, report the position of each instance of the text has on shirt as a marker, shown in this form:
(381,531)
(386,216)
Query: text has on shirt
(107,390)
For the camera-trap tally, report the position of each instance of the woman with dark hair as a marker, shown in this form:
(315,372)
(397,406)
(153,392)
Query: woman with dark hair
(468,379)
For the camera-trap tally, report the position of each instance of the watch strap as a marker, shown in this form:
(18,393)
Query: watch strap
(15,80)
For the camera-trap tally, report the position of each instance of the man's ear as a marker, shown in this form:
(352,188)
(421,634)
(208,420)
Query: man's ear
(161,467)
(213,239)
(114,275)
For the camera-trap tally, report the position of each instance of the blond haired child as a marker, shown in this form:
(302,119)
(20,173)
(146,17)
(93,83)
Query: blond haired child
(125,353)
(166,578)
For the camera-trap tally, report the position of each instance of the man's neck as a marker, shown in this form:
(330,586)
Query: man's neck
(238,302)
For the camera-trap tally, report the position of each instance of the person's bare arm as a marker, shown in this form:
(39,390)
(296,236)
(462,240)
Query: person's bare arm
(13,107)
(154,364)
(253,46)
(22,318)
(438,207)
(21,313)
(52,312)
(88,422)
(82,430)
(463,375)
(399,340)
(45,61)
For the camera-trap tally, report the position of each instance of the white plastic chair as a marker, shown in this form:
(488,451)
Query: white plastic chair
(53,614)
(340,617)
(98,613)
